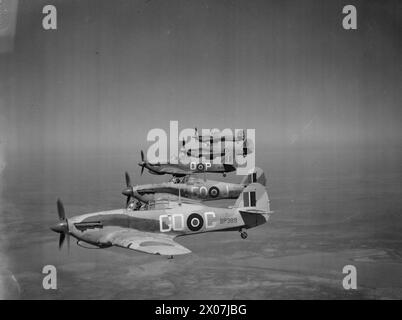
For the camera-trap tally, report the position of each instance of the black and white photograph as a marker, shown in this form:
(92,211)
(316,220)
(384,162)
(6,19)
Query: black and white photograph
(200,150)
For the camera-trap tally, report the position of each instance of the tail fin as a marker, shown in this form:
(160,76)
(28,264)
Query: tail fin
(256,175)
(254,198)
(248,147)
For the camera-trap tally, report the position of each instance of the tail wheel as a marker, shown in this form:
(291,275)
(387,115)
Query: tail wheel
(243,233)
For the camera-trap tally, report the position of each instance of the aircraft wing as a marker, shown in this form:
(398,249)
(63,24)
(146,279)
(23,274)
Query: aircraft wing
(164,197)
(148,242)
(176,171)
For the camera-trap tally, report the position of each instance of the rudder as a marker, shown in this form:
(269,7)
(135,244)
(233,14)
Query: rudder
(254,197)
(255,175)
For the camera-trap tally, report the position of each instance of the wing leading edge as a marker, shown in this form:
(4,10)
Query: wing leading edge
(148,242)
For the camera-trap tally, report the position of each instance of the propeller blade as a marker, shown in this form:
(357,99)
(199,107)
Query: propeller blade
(128,191)
(128,200)
(68,242)
(60,210)
(61,240)
(142,156)
(142,170)
(128,180)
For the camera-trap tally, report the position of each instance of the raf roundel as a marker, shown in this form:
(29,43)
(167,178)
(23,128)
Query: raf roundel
(200,167)
(214,192)
(195,222)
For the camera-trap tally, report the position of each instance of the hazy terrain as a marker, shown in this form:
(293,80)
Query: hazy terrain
(332,206)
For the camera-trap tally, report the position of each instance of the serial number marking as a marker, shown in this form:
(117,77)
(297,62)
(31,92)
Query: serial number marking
(228,220)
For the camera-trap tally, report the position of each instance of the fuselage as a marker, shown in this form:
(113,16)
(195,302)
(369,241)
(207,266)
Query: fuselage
(193,189)
(212,139)
(176,219)
(213,151)
(180,169)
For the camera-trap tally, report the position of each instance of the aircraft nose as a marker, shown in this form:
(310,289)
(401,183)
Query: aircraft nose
(127,192)
(60,227)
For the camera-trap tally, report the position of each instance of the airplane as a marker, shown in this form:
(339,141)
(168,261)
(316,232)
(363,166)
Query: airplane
(180,169)
(214,137)
(213,150)
(153,231)
(190,187)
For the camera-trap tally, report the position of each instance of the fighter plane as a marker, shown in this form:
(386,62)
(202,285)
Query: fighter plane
(214,137)
(153,231)
(190,187)
(213,150)
(180,169)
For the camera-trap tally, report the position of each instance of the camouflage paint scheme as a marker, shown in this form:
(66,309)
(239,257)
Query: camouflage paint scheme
(217,137)
(152,231)
(192,187)
(180,169)
(212,150)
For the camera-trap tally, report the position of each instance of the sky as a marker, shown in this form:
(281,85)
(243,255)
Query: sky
(113,70)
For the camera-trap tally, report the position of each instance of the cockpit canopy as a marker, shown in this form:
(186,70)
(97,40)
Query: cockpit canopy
(184,179)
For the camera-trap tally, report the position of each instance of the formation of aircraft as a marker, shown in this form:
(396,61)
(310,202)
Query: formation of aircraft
(155,214)
(154,230)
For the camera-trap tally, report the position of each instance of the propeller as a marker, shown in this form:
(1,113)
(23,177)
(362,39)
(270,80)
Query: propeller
(60,210)
(129,189)
(142,163)
(62,226)
(130,192)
